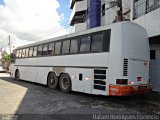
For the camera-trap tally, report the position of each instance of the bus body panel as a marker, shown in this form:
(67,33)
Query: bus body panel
(138,59)
(97,73)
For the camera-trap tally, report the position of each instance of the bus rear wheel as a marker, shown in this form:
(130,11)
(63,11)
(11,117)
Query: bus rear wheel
(65,83)
(52,81)
(17,75)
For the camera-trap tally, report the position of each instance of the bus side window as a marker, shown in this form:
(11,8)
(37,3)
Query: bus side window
(23,53)
(45,49)
(20,53)
(58,48)
(106,40)
(85,44)
(30,51)
(51,49)
(65,47)
(35,51)
(17,53)
(74,45)
(39,52)
(96,44)
(27,52)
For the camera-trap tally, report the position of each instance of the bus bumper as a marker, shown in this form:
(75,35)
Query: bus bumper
(118,90)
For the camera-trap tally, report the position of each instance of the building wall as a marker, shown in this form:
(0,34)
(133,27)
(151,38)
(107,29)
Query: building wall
(111,11)
(151,22)
(148,16)
(155,64)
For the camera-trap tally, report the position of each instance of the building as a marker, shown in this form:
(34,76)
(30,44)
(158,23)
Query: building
(88,14)
(147,14)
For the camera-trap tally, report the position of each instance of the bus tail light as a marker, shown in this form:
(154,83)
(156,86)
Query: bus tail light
(130,83)
(122,81)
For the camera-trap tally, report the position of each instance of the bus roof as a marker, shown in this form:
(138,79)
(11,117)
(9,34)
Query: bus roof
(72,35)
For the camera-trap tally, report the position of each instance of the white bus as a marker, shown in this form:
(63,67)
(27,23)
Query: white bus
(109,60)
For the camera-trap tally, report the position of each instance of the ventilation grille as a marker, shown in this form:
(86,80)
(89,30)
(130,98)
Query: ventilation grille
(100,79)
(125,67)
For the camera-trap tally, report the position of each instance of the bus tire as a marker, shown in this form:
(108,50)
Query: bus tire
(65,83)
(52,81)
(17,75)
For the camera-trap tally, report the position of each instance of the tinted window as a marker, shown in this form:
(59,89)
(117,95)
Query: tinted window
(17,54)
(152,54)
(103,9)
(65,47)
(96,44)
(51,49)
(35,51)
(45,49)
(57,47)
(30,51)
(106,40)
(23,52)
(74,46)
(20,53)
(85,44)
(27,51)
(39,53)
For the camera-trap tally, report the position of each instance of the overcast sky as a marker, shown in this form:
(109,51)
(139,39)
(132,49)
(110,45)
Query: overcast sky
(29,20)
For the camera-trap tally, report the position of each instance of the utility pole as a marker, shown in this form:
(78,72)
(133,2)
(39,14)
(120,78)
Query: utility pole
(9,43)
(120,12)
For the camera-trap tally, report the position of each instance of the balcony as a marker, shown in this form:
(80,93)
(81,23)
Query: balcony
(78,11)
(79,27)
(72,2)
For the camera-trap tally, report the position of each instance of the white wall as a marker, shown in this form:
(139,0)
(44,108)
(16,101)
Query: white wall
(151,22)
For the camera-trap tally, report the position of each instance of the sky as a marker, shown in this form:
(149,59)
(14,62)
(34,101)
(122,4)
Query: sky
(32,20)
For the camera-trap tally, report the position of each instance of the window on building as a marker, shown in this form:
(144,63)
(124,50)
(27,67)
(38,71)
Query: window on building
(152,54)
(27,52)
(143,7)
(74,45)
(30,51)
(57,48)
(35,51)
(45,49)
(51,49)
(65,47)
(103,9)
(39,52)
(85,44)
(97,40)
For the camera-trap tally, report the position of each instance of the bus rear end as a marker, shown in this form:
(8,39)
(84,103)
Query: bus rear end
(133,75)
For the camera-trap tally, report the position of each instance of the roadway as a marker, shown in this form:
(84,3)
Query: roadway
(25,98)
